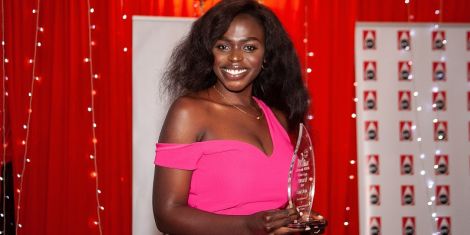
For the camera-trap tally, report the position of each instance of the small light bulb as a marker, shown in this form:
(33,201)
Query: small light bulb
(20,225)
(413,127)
(423,172)
(438,151)
(24,126)
(346,223)
(95,76)
(434,105)
(23,142)
(36,78)
(429,203)
(18,175)
(89,109)
(305,40)
(436,12)
(39,44)
(353,115)
(124,49)
(93,26)
(348,208)
(102,208)
(34,11)
(407,1)
(96,222)
(352,162)
(30,61)
(436,166)
(94,125)
(92,10)
(86,60)
(415,93)
(434,215)
(410,62)
(124,16)
(351,177)
(419,108)
(95,140)
(444,41)
(28,160)
(356,100)
(41,29)
(92,157)
(434,120)
(311,54)
(98,191)
(410,77)
(435,89)
(419,139)
(29,94)
(6,60)
(355,83)
(433,198)
(309,70)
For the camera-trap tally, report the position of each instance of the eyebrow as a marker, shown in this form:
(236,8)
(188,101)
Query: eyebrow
(242,40)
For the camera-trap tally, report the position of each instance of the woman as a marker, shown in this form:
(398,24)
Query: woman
(223,155)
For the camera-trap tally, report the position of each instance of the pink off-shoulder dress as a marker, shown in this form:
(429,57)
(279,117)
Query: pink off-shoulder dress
(232,177)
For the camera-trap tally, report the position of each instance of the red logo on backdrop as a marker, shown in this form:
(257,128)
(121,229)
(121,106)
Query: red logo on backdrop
(375,226)
(406,164)
(374,192)
(439,71)
(443,225)
(439,40)
(404,100)
(370,100)
(405,131)
(439,101)
(407,195)
(374,164)
(404,40)
(468,71)
(408,225)
(442,195)
(441,164)
(440,131)
(368,39)
(404,71)
(468,100)
(370,70)
(372,130)
(468,40)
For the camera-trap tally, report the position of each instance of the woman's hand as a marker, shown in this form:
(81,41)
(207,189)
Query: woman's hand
(272,222)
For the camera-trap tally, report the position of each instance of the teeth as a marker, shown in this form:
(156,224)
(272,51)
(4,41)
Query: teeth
(234,71)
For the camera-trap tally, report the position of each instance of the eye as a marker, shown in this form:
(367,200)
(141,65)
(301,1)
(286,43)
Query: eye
(249,48)
(222,47)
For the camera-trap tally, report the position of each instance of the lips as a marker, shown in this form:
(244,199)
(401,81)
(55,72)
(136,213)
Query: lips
(234,72)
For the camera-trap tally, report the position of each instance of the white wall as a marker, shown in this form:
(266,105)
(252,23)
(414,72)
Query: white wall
(153,39)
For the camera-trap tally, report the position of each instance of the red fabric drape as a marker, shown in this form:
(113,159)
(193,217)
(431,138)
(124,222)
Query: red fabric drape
(58,194)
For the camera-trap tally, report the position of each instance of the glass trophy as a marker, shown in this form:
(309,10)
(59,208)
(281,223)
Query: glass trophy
(301,183)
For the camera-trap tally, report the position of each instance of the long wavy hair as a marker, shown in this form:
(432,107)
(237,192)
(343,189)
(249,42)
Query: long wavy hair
(279,84)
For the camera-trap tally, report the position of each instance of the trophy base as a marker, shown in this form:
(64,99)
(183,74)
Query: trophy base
(309,224)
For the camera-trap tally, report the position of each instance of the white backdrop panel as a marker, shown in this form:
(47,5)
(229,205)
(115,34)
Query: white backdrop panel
(400,164)
(153,39)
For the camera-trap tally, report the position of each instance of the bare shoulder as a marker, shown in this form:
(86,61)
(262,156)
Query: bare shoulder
(185,121)
(281,117)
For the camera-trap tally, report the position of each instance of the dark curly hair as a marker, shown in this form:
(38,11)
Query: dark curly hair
(279,84)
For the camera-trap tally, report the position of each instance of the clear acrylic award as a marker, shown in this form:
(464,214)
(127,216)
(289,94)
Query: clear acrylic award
(301,183)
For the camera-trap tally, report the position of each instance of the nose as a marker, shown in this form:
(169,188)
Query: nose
(236,55)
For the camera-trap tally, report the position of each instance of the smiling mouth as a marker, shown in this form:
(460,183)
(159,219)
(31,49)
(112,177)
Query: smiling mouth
(234,72)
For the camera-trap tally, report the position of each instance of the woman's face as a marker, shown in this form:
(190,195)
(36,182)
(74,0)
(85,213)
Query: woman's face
(239,54)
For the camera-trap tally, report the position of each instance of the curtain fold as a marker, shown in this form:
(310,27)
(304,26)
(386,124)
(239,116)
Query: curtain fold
(59,193)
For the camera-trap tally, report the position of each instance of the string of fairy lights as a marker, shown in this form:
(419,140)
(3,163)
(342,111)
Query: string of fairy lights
(26,126)
(91,109)
(4,144)
(429,179)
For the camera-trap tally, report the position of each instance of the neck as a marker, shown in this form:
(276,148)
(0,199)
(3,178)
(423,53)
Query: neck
(242,98)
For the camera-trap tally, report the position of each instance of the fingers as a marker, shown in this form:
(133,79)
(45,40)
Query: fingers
(279,218)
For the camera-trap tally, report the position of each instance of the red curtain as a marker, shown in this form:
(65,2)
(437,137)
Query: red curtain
(59,192)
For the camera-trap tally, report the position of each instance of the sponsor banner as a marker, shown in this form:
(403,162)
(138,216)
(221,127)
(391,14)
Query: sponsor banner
(413,127)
